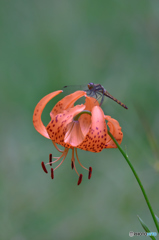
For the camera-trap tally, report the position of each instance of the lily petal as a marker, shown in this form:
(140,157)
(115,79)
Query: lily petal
(57,128)
(66,102)
(115,130)
(38,124)
(96,137)
(74,135)
(90,103)
(85,119)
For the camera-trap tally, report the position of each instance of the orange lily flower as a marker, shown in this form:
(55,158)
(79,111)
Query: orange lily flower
(82,126)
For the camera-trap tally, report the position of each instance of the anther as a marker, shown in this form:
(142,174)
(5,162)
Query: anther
(72,164)
(50,159)
(90,172)
(43,167)
(80,179)
(52,173)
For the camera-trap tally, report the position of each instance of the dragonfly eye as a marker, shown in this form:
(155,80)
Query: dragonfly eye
(90,85)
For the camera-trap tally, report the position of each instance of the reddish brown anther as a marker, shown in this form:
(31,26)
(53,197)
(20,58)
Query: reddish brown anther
(50,159)
(43,167)
(72,164)
(80,179)
(52,173)
(90,172)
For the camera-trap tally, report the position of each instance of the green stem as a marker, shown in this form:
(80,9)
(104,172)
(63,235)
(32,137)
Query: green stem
(138,180)
(79,114)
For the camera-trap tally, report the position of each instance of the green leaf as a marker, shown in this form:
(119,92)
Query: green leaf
(145,227)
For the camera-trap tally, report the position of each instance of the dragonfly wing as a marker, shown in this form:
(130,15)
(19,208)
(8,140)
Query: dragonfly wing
(72,88)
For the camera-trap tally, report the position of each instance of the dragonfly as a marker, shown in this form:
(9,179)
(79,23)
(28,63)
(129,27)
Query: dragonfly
(97,91)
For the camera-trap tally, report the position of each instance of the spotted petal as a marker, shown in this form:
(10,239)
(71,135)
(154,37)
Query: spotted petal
(96,137)
(38,124)
(60,125)
(115,130)
(66,102)
(77,130)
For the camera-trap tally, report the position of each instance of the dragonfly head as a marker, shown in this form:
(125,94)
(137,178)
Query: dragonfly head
(90,85)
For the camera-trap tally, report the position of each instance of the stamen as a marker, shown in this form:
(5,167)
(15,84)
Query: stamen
(72,164)
(58,158)
(43,167)
(90,172)
(72,159)
(80,179)
(58,149)
(50,159)
(52,173)
(76,169)
(79,160)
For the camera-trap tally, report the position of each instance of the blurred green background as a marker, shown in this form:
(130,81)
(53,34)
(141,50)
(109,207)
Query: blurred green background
(46,45)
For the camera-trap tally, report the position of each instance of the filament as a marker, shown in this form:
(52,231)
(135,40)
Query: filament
(58,158)
(66,151)
(58,149)
(79,160)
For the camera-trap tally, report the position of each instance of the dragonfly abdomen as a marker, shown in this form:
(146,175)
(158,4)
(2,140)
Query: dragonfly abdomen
(120,103)
(114,99)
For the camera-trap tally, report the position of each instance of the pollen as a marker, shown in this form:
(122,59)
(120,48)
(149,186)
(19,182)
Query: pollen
(50,159)
(90,173)
(43,167)
(52,173)
(80,179)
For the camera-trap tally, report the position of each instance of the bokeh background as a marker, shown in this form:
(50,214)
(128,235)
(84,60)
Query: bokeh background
(46,45)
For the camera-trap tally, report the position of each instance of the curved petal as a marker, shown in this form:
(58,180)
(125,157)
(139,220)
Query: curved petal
(85,119)
(57,127)
(115,130)
(38,124)
(66,102)
(96,137)
(90,102)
